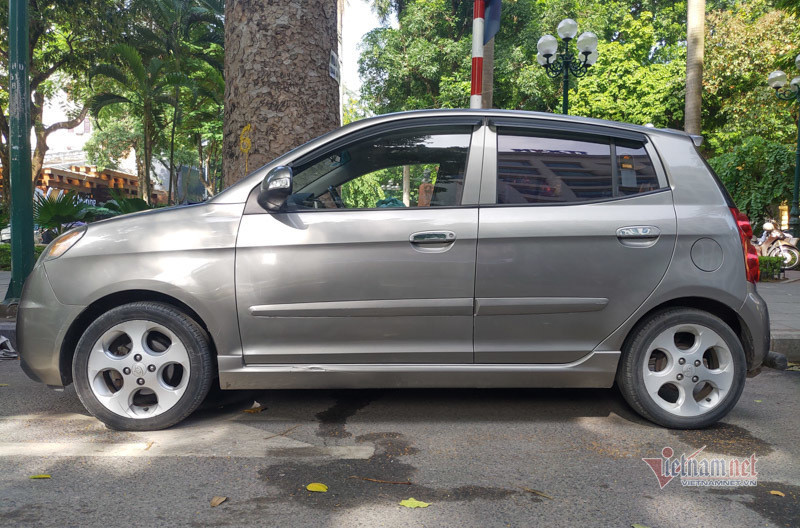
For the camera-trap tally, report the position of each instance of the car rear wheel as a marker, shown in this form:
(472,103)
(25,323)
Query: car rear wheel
(142,366)
(682,368)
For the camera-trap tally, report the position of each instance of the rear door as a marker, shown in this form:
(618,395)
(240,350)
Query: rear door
(576,229)
(374,259)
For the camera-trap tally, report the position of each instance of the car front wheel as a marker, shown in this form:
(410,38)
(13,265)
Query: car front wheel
(142,366)
(682,368)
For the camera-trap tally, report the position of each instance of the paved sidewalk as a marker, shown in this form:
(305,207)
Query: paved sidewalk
(783,300)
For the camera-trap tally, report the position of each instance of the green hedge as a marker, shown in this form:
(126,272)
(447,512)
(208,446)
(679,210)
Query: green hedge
(770,267)
(5,255)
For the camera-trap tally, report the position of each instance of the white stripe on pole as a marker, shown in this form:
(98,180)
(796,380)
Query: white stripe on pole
(477,37)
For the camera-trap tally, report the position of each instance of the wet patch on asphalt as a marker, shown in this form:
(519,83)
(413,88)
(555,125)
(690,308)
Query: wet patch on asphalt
(347,489)
(725,439)
(333,421)
(782,511)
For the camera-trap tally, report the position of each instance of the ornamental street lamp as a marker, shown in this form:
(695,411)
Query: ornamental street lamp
(779,81)
(563,63)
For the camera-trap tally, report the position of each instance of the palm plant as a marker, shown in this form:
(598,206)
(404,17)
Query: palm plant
(123,205)
(144,88)
(58,213)
(179,32)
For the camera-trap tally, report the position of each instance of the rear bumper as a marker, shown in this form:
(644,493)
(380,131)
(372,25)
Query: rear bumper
(42,323)
(755,316)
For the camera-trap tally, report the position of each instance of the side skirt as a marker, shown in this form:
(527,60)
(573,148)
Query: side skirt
(594,370)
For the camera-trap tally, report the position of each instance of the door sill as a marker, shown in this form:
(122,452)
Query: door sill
(596,369)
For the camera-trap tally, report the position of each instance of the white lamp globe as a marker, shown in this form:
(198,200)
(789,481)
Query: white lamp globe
(590,59)
(777,79)
(541,59)
(795,84)
(547,45)
(587,41)
(567,28)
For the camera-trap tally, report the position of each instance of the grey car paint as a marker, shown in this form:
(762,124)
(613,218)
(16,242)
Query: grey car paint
(192,257)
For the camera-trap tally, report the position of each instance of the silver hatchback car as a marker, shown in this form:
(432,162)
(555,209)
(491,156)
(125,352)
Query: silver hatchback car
(424,249)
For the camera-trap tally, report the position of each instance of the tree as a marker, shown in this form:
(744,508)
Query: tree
(278,91)
(755,173)
(113,139)
(145,90)
(694,64)
(66,38)
(179,32)
(743,45)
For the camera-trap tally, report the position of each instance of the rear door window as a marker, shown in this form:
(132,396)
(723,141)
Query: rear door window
(545,168)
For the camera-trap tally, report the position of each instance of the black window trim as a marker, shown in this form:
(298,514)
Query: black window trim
(252,207)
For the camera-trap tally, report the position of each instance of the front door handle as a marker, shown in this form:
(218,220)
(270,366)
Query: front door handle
(433,237)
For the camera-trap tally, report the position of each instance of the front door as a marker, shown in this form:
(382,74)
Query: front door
(576,229)
(373,260)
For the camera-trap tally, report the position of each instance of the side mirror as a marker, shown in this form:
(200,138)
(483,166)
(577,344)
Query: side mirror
(276,188)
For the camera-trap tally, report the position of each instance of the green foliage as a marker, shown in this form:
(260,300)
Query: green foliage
(363,192)
(58,213)
(123,205)
(758,174)
(112,141)
(5,255)
(743,45)
(770,267)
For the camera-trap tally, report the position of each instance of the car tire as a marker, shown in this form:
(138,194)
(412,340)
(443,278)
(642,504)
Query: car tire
(682,368)
(142,366)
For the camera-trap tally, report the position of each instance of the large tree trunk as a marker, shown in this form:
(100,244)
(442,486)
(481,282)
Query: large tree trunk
(276,79)
(696,18)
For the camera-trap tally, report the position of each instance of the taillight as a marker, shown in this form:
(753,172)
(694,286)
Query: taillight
(750,254)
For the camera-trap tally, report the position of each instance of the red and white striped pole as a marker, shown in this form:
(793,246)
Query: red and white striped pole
(477,54)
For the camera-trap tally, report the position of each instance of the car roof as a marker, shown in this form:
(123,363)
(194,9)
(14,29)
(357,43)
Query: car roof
(449,112)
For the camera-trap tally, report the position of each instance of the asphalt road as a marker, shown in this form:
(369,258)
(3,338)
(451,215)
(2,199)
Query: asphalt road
(468,453)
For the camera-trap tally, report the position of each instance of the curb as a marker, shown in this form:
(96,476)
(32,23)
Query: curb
(786,343)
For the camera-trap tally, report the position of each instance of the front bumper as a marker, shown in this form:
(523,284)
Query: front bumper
(755,316)
(42,323)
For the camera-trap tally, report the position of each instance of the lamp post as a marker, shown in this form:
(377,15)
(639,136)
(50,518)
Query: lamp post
(564,63)
(779,81)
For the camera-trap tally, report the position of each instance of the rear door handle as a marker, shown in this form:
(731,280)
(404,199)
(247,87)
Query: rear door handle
(638,236)
(432,237)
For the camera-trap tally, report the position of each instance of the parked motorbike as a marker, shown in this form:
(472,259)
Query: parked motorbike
(776,243)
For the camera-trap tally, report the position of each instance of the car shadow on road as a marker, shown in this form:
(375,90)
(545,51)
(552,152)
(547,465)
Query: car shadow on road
(427,405)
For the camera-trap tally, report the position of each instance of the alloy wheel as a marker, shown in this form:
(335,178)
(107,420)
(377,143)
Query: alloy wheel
(688,370)
(138,369)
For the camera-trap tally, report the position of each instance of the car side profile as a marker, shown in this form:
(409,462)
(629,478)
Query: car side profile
(447,248)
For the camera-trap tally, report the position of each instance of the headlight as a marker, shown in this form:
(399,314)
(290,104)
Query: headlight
(60,245)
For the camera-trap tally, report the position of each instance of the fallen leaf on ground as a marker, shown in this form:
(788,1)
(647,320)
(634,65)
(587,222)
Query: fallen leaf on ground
(255,410)
(216,501)
(637,525)
(3,384)
(537,492)
(40,476)
(411,502)
(778,493)
(149,445)
(318,487)
(406,482)
(757,401)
